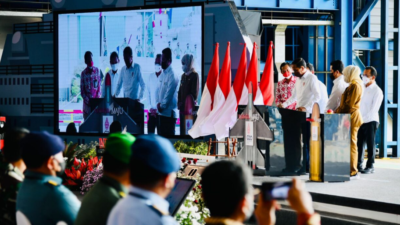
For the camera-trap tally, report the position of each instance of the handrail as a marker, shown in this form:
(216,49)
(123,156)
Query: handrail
(27,69)
(32,28)
(42,107)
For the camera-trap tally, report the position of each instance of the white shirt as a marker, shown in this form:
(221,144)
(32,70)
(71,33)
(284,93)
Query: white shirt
(306,92)
(130,79)
(324,97)
(370,103)
(141,208)
(114,83)
(168,93)
(339,86)
(153,84)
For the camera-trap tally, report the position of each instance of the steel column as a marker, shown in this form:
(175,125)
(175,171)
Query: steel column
(396,81)
(343,32)
(363,15)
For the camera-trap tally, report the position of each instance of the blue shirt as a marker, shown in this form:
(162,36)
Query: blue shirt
(141,207)
(44,200)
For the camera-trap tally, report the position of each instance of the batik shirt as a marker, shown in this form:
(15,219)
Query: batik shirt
(90,87)
(284,91)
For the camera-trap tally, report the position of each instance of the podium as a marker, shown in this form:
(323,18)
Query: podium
(128,112)
(329,147)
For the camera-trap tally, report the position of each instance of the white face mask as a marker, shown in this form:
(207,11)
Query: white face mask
(114,67)
(250,202)
(157,68)
(366,80)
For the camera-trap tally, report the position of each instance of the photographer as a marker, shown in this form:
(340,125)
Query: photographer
(235,204)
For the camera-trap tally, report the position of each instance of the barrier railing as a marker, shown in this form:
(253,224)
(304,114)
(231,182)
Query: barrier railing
(163,2)
(26,69)
(42,107)
(42,88)
(33,28)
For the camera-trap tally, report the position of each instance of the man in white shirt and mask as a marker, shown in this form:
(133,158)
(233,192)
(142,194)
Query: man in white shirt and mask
(114,75)
(153,85)
(369,107)
(339,85)
(306,92)
(322,88)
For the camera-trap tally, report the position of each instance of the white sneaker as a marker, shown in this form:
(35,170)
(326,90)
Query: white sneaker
(355,177)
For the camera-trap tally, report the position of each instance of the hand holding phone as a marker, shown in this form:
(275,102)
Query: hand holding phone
(275,190)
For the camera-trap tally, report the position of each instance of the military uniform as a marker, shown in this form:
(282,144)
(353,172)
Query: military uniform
(10,181)
(44,200)
(98,202)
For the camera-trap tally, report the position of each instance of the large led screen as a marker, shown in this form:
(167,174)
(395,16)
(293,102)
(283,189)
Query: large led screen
(138,69)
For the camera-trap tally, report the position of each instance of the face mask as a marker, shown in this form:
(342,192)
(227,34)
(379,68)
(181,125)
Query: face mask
(62,166)
(366,80)
(114,67)
(287,74)
(250,210)
(157,68)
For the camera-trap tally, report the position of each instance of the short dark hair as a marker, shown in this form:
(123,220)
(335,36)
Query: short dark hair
(158,57)
(87,54)
(115,127)
(337,65)
(12,144)
(224,185)
(283,65)
(71,129)
(310,66)
(114,55)
(113,165)
(143,175)
(299,62)
(34,161)
(373,70)
(128,51)
(167,53)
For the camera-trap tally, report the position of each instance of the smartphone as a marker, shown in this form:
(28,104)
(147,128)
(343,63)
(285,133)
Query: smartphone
(275,190)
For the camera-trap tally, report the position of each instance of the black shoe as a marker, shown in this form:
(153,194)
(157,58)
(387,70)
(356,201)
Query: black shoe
(368,170)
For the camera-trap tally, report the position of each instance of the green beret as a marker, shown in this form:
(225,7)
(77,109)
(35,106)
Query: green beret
(119,145)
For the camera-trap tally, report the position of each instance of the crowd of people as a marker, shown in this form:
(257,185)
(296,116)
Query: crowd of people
(139,172)
(169,96)
(353,93)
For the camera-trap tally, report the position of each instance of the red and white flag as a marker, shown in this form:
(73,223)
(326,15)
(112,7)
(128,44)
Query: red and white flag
(207,99)
(252,76)
(228,115)
(221,94)
(267,79)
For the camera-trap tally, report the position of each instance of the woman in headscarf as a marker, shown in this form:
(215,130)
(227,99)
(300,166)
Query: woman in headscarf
(350,103)
(188,91)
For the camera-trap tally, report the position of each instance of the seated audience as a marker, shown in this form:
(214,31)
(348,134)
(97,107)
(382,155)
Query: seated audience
(42,198)
(235,204)
(12,168)
(153,165)
(115,127)
(71,129)
(98,202)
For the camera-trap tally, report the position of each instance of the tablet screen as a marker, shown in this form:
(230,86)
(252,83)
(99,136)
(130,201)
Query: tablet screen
(179,193)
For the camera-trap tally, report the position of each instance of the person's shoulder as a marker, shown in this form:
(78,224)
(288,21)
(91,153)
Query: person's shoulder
(136,66)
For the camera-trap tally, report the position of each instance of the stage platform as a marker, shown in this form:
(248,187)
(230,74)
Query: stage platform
(374,196)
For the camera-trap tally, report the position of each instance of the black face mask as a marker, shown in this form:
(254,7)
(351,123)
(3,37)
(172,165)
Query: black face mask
(62,166)
(332,77)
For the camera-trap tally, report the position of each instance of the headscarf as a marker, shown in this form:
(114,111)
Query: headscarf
(352,74)
(188,60)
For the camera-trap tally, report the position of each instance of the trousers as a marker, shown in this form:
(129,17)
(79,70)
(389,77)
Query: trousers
(366,135)
(152,124)
(353,150)
(306,131)
(166,126)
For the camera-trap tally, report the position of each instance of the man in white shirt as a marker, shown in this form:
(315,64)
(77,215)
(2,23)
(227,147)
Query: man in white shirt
(369,107)
(130,78)
(339,85)
(322,88)
(113,72)
(153,84)
(306,92)
(167,97)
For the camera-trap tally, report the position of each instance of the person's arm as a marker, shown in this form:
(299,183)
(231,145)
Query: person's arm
(170,90)
(83,90)
(278,96)
(290,100)
(354,96)
(103,88)
(98,92)
(148,90)
(333,99)
(119,84)
(180,93)
(62,205)
(376,103)
(141,83)
(195,87)
(265,211)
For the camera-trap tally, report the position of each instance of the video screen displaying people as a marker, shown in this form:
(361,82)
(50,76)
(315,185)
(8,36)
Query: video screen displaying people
(115,65)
